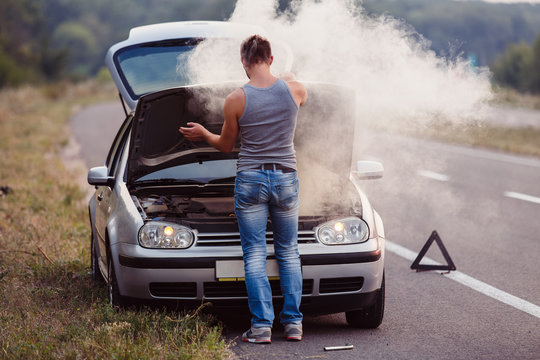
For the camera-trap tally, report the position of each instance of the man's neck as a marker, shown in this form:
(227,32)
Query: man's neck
(260,76)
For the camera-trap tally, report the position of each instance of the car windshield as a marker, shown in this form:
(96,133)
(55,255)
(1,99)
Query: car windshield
(202,173)
(156,66)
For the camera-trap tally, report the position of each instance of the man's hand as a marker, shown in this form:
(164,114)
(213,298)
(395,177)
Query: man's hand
(195,132)
(232,110)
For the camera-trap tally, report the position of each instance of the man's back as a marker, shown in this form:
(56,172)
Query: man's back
(267,126)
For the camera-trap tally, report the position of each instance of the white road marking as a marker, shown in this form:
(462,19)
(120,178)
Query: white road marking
(524,197)
(470,282)
(433,175)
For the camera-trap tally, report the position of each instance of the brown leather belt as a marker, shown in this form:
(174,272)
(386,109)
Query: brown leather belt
(275,167)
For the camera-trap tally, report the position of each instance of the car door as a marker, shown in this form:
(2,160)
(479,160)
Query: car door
(103,194)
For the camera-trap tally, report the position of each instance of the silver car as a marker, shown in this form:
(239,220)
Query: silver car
(162,217)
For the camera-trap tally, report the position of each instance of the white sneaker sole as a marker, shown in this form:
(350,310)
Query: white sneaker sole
(258,341)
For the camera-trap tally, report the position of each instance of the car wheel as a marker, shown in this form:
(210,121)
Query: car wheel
(94,266)
(369,317)
(115,299)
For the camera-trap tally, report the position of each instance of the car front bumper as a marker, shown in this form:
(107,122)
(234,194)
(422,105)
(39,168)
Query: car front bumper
(332,282)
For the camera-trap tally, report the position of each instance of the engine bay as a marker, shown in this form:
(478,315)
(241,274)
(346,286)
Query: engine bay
(207,208)
(181,206)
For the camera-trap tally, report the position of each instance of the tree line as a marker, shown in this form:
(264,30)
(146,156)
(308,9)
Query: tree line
(46,40)
(519,67)
(497,35)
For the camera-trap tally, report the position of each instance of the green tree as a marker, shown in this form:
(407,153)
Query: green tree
(82,44)
(535,70)
(10,73)
(52,62)
(470,27)
(20,22)
(513,68)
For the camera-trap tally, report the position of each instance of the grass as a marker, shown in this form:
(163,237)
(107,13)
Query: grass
(510,97)
(523,141)
(51,308)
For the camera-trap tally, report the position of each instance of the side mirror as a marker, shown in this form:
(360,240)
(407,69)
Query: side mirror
(98,176)
(367,169)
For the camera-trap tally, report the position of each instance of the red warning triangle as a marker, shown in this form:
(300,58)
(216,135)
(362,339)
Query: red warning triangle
(449,263)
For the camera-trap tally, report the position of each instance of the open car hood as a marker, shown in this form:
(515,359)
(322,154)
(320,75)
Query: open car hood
(323,139)
(156,143)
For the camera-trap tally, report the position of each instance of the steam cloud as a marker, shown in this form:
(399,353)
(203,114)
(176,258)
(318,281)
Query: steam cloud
(395,75)
(396,78)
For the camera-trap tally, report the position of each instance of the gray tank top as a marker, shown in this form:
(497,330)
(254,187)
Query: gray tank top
(267,127)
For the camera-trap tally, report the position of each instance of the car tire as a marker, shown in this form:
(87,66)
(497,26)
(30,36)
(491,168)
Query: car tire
(115,299)
(369,317)
(95,272)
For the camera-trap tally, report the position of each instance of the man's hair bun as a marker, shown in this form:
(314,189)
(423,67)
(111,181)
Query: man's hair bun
(256,49)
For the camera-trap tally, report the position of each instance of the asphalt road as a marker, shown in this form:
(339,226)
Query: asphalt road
(486,208)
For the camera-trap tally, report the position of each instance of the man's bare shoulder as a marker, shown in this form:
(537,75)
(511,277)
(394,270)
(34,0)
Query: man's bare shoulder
(236,96)
(235,102)
(290,79)
(296,85)
(298,90)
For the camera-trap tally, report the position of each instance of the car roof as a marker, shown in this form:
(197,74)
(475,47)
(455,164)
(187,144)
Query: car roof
(187,29)
(171,31)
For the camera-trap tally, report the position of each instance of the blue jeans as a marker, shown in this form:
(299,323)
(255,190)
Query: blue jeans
(259,194)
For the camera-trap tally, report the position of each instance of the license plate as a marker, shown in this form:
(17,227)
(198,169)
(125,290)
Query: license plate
(233,270)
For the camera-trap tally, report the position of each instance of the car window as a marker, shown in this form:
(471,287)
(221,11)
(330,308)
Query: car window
(117,146)
(155,66)
(203,172)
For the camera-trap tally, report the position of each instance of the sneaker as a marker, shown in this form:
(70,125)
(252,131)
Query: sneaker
(259,335)
(293,332)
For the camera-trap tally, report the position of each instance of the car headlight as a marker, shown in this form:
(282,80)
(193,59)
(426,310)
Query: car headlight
(162,235)
(351,230)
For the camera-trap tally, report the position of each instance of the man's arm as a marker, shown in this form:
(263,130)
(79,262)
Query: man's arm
(232,110)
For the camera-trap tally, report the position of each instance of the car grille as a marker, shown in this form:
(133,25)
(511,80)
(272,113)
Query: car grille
(174,289)
(238,288)
(224,289)
(337,285)
(233,238)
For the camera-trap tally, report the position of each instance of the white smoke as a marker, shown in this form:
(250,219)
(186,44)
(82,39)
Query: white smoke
(396,79)
(395,75)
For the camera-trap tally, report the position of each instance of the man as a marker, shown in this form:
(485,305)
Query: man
(264,113)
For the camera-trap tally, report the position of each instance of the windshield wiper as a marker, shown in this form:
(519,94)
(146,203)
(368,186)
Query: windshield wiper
(223,180)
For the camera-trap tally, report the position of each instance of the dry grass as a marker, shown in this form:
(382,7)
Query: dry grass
(50,307)
(522,141)
(510,97)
